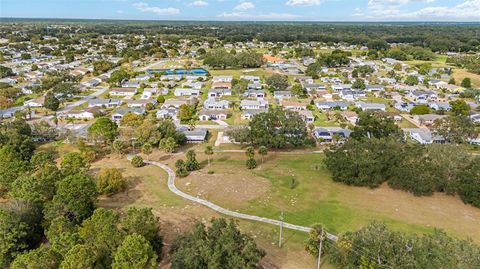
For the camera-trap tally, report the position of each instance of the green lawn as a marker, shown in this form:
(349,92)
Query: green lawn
(317,199)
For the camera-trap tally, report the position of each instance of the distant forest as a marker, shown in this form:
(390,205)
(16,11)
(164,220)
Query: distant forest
(439,37)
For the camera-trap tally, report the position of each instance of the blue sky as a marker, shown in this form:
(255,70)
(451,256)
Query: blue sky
(247,10)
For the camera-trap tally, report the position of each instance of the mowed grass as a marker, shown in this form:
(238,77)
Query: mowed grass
(316,198)
(460,74)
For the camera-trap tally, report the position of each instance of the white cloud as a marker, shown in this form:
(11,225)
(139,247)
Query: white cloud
(245,6)
(198,3)
(303,3)
(265,16)
(120,11)
(467,10)
(144,7)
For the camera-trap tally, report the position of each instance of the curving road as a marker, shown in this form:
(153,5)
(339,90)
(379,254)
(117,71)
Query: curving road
(174,189)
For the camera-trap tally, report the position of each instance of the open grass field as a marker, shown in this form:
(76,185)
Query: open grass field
(460,74)
(315,198)
(267,190)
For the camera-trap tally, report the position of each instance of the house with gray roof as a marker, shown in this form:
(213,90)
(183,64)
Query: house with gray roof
(330,105)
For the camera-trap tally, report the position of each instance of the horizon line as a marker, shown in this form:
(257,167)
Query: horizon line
(244,21)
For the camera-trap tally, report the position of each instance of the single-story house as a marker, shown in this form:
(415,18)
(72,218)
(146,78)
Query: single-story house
(427,119)
(174,103)
(37,102)
(295,106)
(254,93)
(329,105)
(123,92)
(214,104)
(141,102)
(118,114)
(329,134)
(423,136)
(206,114)
(283,94)
(254,104)
(307,116)
(186,92)
(440,106)
(227,79)
(167,113)
(195,136)
(371,106)
(219,92)
(104,103)
(249,113)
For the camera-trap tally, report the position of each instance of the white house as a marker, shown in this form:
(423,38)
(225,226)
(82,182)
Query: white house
(186,92)
(371,106)
(214,104)
(254,104)
(123,92)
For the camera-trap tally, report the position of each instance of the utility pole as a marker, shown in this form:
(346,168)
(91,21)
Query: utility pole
(281,230)
(320,249)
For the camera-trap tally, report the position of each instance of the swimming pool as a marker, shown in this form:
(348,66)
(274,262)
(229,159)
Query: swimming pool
(196,71)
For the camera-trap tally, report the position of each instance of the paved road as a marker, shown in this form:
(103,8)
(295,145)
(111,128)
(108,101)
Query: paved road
(84,99)
(175,190)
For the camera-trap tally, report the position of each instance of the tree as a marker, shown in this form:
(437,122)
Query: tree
(299,90)
(411,80)
(110,181)
(377,246)
(147,149)
(39,258)
(455,129)
(51,102)
(192,163)
(75,198)
(62,235)
(469,183)
(11,167)
(251,163)
(104,130)
(181,169)
(316,234)
(466,83)
(263,151)
(131,120)
(168,144)
(142,221)
(100,232)
(135,252)
(359,84)
(119,147)
(5,71)
(13,236)
(221,245)
(250,152)
(118,76)
(376,125)
(249,59)
(186,112)
(74,163)
(452,81)
(137,161)
(278,82)
(420,110)
(460,107)
(79,257)
(208,152)
(277,128)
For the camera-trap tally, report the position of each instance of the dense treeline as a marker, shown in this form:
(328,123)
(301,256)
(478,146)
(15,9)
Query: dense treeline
(376,246)
(437,37)
(471,63)
(220,58)
(416,168)
(276,128)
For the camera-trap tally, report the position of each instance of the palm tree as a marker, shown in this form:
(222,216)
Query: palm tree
(208,152)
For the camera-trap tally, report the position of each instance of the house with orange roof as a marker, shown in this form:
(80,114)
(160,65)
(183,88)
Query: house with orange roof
(270,59)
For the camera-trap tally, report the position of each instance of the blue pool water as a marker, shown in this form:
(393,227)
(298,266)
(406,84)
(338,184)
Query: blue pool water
(197,71)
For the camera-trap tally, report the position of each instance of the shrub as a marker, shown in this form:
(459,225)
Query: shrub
(251,163)
(137,161)
(110,181)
